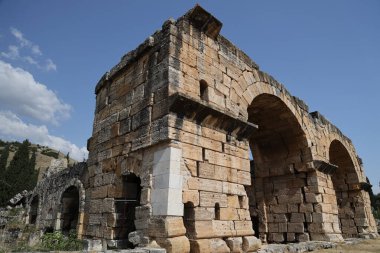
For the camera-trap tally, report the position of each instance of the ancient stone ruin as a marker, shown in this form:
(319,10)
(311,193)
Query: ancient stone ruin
(170,164)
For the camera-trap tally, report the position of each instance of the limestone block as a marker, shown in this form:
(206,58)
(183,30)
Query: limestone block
(95,219)
(192,152)
(141,224)
(178,244)
(228,213)
(213,134)
(308,217)
(320,228)
(244,214)
(231,188)
(233,201)
(251,243)
(304,237)
(296,198)
(203,229)
(296,227)
(202,213)
(277,218)
(272,227)
(141,118)
(293,208)
(326,237)
(235,244)
(276,237)
(282,208)
(135,237)
(282,227)
(190,165)
(210,185)
(211,171)
(143,212)
(327,198)
(166,227)
(303,207)
(223,228)
(243,228)
(191,196)
(145,196)
(209,245)
(290,237)
(99,192)
(297,217)
(209,199)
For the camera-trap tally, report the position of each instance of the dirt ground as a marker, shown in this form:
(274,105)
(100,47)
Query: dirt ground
(366,246)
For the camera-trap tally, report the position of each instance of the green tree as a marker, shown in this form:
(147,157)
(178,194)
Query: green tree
(32,172)
(4,186)
(18,172)
(68,157)
(3,160)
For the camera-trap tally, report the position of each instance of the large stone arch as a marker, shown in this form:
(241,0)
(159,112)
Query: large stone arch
(298,108)
(281,155)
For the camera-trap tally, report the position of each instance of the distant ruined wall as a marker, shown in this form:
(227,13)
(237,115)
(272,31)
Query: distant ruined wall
(48,206)
(169,161)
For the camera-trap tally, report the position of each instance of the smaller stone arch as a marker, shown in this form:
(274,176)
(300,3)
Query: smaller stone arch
(70,215)
(34,209)
(346,184)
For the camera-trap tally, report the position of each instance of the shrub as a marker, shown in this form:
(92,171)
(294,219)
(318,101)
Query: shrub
(59,241)
(50,153)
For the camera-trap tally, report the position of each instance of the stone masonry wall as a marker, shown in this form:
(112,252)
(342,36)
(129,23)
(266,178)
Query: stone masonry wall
(179,117)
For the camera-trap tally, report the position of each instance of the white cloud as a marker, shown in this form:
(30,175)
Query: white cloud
(13,52)
(25,96)
(25,42)
(29,48)
(30,60)
(36,50)
(50,65)
(12,127)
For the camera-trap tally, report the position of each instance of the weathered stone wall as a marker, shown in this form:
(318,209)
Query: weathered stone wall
(46,202)
(179,116)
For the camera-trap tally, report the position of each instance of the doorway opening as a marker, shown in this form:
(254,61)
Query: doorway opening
(125,208)
(70,210)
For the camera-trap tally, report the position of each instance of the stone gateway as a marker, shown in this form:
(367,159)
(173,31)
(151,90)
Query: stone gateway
(195,149)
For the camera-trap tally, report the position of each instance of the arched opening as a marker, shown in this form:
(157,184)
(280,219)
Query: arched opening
(188,219)
(203,89)
(126,208)
(33,213)
(345,181)
(217,211)
(70,210)
(278,169)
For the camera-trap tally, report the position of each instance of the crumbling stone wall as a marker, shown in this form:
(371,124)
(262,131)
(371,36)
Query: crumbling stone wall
(46,205)
(174,126)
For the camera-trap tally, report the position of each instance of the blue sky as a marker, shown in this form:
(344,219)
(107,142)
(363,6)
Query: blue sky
(52,53)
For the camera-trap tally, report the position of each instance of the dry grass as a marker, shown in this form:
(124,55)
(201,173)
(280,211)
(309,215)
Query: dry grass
(366,246)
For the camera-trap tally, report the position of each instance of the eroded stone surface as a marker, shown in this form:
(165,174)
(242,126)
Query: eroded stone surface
(169,156)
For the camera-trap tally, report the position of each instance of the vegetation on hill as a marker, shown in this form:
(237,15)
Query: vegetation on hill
(20,174)
(375,204)
(17,171)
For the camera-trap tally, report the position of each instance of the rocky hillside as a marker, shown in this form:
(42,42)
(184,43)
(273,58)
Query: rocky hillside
(44,155)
